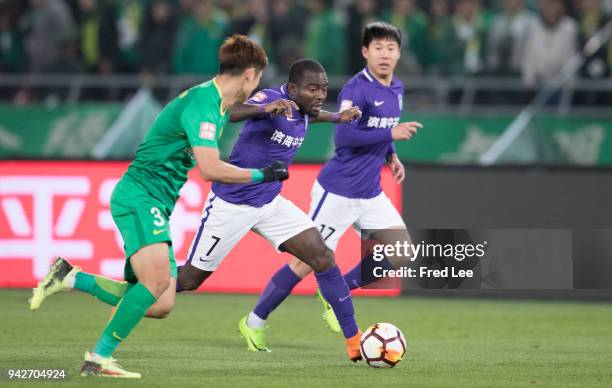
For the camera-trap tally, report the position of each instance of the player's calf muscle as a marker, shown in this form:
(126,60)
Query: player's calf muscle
(151,265)
(299,268)
(309,247)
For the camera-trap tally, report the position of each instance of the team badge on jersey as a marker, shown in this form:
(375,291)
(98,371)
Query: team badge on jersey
(400,100)
(345,104)
(207,131)
(259,97)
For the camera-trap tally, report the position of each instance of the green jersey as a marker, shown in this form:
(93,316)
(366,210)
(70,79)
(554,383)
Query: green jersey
(195,118)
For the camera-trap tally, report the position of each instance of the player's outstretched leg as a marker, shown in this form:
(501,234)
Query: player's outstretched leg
(309,247)
(60,277)
(63,276)
(151,266)
(357,277)
(362,274)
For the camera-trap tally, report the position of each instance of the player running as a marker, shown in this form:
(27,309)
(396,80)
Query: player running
(347,191)
(184,135)
(232,210)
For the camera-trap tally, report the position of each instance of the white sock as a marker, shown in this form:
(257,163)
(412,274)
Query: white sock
(254,322)
(70,280)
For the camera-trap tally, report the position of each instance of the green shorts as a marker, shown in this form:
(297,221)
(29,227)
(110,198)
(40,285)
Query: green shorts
(142,220)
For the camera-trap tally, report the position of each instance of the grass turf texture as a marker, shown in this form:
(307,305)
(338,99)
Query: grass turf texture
(450,343)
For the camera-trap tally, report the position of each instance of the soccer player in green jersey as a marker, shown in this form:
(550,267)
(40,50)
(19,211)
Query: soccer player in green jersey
(184,135)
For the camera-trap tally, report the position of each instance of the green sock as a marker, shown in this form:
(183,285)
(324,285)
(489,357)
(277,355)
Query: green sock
(129,312)
(107,290)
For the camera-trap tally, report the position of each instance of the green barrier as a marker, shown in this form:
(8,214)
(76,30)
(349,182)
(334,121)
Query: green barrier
(462,140)
(63,132)
(71,132)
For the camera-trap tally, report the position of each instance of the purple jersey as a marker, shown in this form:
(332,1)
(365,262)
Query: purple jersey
(263,140)
(362,146)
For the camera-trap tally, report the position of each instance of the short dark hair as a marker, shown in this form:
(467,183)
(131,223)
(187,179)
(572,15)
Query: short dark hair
(299,68)
(238,53)
(380,30)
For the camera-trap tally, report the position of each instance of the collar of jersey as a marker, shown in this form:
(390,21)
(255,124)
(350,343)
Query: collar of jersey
(221,110)
(371,78)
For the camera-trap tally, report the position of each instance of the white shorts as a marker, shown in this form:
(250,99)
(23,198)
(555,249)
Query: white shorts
(224,224)
(333,214)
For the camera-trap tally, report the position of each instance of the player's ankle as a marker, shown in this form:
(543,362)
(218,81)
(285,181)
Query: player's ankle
(255,322)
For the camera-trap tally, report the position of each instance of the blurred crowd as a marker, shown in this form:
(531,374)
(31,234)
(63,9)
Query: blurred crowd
(532,39)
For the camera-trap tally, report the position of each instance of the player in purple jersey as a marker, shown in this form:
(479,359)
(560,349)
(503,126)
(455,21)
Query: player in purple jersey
(347,191)
(232,210)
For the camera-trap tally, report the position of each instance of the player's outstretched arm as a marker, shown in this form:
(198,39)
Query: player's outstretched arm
(213,169)
(242,111)
(345,116)
(347,135)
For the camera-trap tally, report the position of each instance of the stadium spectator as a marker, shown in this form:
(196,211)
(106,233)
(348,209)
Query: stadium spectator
(185,8)
(412,22)
(467,45)
(508,37)
(286,33)
(49,23)
(199,36)
(359,14)
(12,52)
(158,36)
(130,15)
(439,32)
(551,44)
(325,39)
(593,18)
(98,37)
(253,22)
(230,8)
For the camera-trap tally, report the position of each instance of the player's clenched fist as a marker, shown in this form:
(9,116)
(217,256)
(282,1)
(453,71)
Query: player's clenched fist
(280,107)
(277,171)
(404,131)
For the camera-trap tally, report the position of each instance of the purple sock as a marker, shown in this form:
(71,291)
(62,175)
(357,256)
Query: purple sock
(356,279)
(277,290)
(336,292)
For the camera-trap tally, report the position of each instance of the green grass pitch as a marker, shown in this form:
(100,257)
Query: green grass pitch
(451,343)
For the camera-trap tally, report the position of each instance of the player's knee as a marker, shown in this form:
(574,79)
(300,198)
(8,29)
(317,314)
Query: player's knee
(324,260)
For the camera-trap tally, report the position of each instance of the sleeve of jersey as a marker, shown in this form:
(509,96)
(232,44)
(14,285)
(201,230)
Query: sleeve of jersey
(391,149)
(202,123)
(350,134)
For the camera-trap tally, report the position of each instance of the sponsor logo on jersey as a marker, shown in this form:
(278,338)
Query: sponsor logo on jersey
(259,97)
(207,131)
(378,103)
(382,122)
(345,104)
(286,140)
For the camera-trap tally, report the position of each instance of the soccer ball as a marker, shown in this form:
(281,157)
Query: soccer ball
(383,345)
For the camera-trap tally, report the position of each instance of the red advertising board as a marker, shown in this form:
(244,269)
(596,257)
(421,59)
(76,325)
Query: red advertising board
(50,209)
